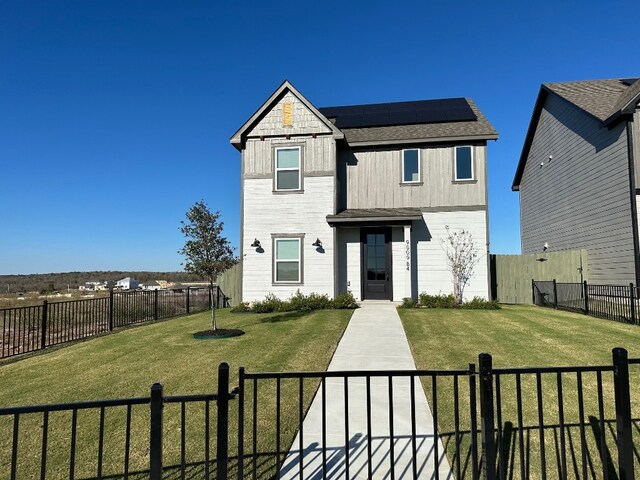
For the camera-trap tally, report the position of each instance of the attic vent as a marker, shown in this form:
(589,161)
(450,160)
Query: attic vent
(287,114)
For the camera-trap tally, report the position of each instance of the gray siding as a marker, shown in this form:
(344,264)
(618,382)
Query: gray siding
(580,199)
(635,134)
(373,179)
(318,155)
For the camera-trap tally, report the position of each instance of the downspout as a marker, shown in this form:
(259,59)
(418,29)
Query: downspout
(634,210)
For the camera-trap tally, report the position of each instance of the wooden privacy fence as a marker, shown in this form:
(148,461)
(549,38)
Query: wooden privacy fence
(538,422)
(511,275)
(612,302)
(27,329)
(231,284)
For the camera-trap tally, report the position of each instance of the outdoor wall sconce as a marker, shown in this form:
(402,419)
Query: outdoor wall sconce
(317,243)
(256,243)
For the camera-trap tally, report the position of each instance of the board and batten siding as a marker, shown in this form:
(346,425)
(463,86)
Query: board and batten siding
(635,139)
(374,179)
(318,155)
(579,199)
(305,213)
(433,273)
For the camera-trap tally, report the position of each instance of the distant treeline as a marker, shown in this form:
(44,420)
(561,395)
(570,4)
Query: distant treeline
(37,282)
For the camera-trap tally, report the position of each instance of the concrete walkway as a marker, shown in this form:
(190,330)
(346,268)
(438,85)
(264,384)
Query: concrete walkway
(373,340)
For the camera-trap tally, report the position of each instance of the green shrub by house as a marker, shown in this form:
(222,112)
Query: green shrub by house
(298,302)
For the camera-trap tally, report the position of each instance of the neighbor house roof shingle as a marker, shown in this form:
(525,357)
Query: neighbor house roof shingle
(605,100)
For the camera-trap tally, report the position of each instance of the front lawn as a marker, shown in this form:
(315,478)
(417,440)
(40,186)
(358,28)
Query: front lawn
(524,336)
(125,364)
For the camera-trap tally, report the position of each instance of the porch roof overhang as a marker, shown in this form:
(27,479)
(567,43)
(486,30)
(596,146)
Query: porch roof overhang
(362,217)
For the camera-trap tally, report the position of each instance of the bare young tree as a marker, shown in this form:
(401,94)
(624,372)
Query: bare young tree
(206,251)
(462,257)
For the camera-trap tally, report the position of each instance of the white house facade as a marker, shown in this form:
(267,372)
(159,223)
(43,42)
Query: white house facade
(358,198)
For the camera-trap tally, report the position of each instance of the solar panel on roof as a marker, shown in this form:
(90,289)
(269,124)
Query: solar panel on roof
(401,113)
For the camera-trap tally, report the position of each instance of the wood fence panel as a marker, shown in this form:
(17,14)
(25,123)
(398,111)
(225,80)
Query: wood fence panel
(230,282)
(512,274)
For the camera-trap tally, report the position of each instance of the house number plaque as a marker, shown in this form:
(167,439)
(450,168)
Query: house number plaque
(407,247)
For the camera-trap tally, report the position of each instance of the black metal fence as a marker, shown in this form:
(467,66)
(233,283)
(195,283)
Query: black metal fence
(612,302)
(27,329)
(490,423)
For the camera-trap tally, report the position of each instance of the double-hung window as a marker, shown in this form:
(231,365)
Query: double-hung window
(287,260)
(464,163)
(411,166)
(287,169)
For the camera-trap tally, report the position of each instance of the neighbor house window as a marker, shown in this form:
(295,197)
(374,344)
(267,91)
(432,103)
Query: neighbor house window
(287,262)
(411,166)
(287,168)
(464,163)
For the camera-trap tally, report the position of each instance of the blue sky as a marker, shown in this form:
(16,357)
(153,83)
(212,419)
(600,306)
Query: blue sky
(116,116)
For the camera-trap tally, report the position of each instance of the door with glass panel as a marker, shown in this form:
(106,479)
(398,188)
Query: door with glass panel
(376,263)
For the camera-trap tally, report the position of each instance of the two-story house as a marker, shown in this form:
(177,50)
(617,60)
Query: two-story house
(358,198)
(578,176)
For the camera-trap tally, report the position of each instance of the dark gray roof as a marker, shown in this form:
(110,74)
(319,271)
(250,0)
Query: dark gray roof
(375,215)
(606,100)
(480,129)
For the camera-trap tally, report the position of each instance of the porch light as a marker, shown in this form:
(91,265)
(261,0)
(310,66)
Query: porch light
(317,243)
(256,243)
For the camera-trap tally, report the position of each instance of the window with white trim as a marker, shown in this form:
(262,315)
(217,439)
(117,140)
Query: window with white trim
(287,168)
(411,166)
(464,163)
(287,268)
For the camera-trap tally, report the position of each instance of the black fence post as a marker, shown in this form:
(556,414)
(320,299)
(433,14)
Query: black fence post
(241,423)
(473,416)
(45,312)
(555,294)
(188,306)
(222,450)
(486,417)
(586,298)
(155,304)
(632,300)
(110,309)
(155,443)
(533,291)
(623,413)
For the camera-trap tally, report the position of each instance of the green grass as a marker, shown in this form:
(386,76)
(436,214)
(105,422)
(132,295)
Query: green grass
(125,364)
(521,336)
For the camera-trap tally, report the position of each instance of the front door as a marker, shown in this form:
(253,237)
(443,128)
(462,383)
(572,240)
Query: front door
(376,262)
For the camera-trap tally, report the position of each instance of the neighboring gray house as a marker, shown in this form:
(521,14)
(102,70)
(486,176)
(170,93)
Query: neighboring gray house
(357,198)
(578,175)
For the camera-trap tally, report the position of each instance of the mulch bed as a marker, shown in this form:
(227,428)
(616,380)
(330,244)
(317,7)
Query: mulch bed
(219,333)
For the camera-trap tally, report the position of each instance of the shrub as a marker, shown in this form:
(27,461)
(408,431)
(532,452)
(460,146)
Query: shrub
(241,308)
(344,301)
(479,303)
(437,301)
(270,304)
(408,303)
(307,303)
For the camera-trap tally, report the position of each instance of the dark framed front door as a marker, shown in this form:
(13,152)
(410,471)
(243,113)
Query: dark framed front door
(376,263)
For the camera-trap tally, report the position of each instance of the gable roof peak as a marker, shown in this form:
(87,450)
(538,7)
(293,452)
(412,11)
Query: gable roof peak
(238,138)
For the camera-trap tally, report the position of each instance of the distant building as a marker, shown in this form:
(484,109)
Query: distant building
(150,285)
(127,283)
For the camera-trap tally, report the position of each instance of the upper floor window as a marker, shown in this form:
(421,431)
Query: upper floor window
(411,166)
(464,163)
(287,168)
(287,260)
